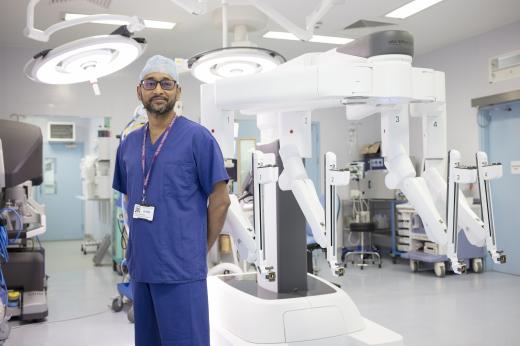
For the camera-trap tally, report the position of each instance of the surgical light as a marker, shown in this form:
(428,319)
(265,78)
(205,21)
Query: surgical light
(242,57)
(85,59)
(281,35)
(153,24)
(411,8)
(232,62)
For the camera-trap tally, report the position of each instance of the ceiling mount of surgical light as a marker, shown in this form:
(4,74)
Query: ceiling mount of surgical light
(85,59)
(243,57)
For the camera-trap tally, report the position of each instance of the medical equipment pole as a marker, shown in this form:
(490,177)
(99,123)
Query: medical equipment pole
(2,166)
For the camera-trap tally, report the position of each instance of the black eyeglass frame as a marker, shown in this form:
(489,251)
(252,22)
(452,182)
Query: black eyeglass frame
(158,82)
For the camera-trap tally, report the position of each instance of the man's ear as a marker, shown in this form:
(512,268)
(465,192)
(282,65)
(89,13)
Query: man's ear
(138,91)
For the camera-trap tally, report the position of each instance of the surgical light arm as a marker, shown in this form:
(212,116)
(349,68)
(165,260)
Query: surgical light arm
(200,7)
(192,6)
(133,23)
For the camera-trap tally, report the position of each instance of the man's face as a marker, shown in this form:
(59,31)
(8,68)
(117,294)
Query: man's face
(158,101)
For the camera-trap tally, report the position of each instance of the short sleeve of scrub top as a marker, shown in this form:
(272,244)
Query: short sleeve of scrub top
(119,182)
(209,161)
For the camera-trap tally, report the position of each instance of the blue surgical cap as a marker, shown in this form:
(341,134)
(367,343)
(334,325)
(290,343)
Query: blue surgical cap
(159,63)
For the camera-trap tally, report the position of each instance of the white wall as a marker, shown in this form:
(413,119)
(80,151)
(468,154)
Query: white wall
(466,67)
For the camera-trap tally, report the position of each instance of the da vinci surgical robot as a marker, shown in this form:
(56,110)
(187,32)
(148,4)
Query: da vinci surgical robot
(281,304)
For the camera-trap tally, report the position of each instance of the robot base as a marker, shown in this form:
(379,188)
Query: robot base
(244,314)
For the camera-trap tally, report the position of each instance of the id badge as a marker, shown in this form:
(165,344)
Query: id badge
(144,212)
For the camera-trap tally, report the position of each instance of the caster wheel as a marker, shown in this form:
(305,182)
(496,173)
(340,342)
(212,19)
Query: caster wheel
(440,269)
(477,266)
(130,314)
(117,304)
(379,265)
(361,267)
(414,266)
(394,261)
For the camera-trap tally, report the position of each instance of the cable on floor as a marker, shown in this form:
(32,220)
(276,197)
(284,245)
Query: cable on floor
(61,321)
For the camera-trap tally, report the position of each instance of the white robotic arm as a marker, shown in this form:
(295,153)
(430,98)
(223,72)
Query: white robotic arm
(294,178)
(321,221)
(265,177)
(467,220)
(485,173)
(241,231)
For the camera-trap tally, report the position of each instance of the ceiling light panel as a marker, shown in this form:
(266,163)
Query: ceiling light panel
(152,24)
(330,39)
(411,8)
(280,35)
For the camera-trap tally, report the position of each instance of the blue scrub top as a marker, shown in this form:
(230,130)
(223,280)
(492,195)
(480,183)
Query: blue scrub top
(172,248)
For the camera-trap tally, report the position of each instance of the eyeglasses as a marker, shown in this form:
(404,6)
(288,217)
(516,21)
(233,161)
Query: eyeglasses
(151,84)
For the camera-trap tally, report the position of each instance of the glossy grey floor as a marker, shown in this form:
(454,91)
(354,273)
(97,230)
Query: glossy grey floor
(473,309)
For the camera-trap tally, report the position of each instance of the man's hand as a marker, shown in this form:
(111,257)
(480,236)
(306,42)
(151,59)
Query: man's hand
(217,210)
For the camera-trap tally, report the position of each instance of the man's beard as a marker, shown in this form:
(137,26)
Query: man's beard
(163,110)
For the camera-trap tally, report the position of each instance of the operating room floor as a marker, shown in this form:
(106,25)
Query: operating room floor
(473,309)
(79,295)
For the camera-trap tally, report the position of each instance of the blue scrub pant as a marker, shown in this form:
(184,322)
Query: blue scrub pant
(171,314)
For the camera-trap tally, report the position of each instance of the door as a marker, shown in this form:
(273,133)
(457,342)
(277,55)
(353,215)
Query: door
(63,208)
(500,138)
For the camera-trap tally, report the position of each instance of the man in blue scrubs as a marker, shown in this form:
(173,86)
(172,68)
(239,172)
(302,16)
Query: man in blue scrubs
(172,173)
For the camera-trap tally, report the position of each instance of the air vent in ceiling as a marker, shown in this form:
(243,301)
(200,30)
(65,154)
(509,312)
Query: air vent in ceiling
(505,66)
(363,24)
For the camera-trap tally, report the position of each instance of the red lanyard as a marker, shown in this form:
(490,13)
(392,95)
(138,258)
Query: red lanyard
(157,151)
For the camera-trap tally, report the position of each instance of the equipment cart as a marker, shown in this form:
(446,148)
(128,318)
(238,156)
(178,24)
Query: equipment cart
(471,255)
(125,296)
